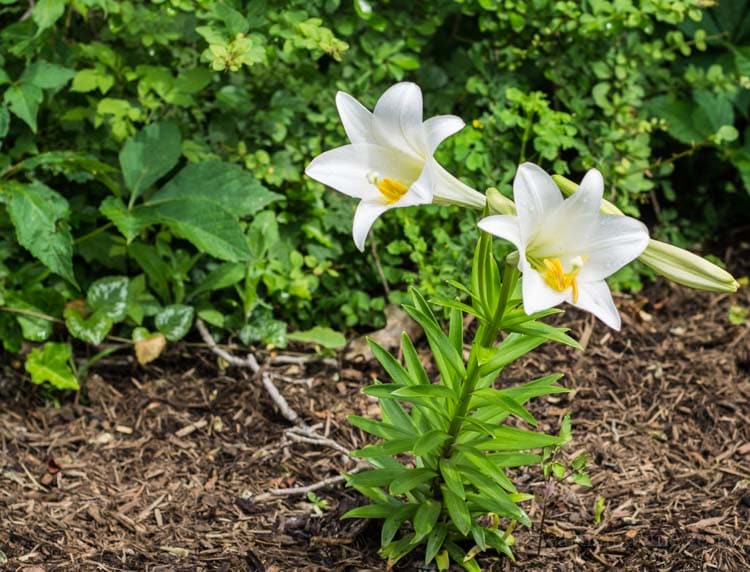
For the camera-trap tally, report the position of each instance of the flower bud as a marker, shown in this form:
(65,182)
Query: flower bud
(499,203)
(686,268)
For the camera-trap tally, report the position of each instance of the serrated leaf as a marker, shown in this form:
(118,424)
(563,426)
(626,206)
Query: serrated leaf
(150,155)
(23,101)
(229,186)
(39,215)
(45,75)
(175,321)
(51,364)
(321,336)
(46,12)
(129,223)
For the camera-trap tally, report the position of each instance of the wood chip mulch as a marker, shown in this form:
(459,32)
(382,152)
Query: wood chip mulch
(155,468)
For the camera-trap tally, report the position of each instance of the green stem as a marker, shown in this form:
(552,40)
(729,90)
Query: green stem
(93,233)
(485,336)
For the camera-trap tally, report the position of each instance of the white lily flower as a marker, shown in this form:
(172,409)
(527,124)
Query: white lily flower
(566,246)
(389,162)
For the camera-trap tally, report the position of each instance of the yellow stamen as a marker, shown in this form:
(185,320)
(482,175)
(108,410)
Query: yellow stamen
(391,190)
(557,279)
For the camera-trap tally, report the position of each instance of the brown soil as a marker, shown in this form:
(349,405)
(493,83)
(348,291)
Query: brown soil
(157,468)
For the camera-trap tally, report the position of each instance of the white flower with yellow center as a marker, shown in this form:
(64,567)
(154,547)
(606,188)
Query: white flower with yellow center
(566,247)
(389,162)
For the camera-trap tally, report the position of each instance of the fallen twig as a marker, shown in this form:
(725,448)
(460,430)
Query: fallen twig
(292,491)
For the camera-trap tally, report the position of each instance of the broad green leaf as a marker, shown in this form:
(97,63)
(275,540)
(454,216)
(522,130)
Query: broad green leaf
(229,186)
(10,333)
(221,277)
(92,330)
(40,215)
(457,510)
(321,336)
(109,296)
(411,480)
(210,228)
(87,80)
(426,518)
(51,364)
(129,223)
(150,155)
(35,329)
(45,75)
(23,100)
(46,12)
(175,321)
(156,269)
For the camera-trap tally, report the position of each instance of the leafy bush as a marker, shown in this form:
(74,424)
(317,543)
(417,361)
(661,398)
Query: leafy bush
(152,153)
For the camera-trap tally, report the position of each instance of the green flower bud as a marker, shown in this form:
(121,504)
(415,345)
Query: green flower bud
(499,203)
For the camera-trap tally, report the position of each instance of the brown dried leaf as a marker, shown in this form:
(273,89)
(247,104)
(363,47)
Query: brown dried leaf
(148,349)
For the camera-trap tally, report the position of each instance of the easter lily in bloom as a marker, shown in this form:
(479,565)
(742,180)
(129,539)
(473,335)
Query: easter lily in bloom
(389,162)
(566,246)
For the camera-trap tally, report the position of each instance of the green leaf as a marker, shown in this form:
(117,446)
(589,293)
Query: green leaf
(389,448)
(229,186)
(369,511)
(150,155)
(23,100)
(496,397)
(411,480)
(129,223)
(536,388)
(377,477)
(511,348)
(4,122)
(488,468)
(378,428)
(390,364)
(430,441)
(51,364)
(429,391)
(109,296)
(439,343)
(512,439)
(415,369)
(452,477)
(457,510)
(221,277)
(426,518)
(45,75)
(498,503)
(435,542)
(212,230)
(92,330)
(175,321)
(46,12)
(321,336)
(39,215)
(155,268)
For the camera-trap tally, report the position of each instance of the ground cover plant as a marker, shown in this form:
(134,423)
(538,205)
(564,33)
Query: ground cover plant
(152,191)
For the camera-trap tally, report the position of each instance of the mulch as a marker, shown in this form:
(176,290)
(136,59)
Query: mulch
(156,468)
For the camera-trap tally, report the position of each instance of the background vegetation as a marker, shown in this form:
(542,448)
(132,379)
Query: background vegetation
(152,153)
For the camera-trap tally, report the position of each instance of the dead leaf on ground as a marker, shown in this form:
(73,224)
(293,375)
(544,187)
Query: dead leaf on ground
(148,349)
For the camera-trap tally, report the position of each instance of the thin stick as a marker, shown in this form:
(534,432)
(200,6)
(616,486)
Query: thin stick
(288,413)
(292,491)
(249,362)
(376,258)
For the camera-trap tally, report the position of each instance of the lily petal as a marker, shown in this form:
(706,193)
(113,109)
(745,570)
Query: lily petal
(439,128)
(536,196)
(503,226)
(537,296)
(617,241)
(397,119)
(447,189)
(596,298)
(364,217)
(357,120)
(349,168)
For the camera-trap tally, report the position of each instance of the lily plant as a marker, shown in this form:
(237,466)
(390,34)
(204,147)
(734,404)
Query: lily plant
(449,443)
